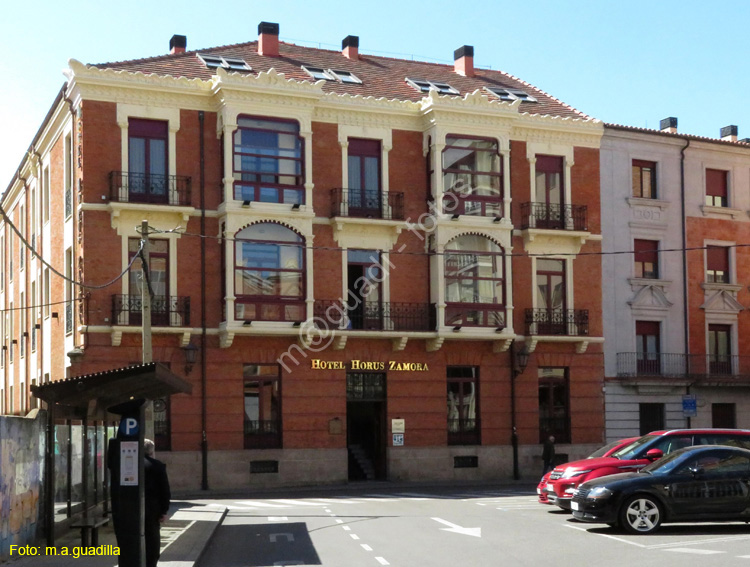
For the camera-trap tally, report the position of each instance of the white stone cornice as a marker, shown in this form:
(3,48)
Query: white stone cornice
(266,82)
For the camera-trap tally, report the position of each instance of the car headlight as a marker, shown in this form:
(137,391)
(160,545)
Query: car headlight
(599,493)
(572,473)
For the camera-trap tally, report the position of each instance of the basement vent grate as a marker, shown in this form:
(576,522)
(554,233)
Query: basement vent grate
(263,467)
(466,462)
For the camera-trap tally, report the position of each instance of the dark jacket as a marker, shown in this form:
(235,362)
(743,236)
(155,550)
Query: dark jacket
(157,488)
(548,452)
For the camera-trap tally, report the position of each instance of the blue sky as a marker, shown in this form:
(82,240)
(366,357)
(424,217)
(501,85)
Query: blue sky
(629,62)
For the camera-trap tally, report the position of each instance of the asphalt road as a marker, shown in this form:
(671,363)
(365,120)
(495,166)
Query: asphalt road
(449,528)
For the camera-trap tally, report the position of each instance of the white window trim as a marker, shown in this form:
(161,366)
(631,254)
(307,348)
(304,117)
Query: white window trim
(170,115)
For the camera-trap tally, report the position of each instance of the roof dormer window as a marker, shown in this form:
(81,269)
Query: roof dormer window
(317,73)
(510,95)
(427,86)
(345,76)
(216,61)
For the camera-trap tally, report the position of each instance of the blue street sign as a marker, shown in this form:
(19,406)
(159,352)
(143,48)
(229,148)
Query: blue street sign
(689,405)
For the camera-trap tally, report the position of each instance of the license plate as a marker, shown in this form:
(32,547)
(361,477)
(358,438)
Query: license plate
(574,506)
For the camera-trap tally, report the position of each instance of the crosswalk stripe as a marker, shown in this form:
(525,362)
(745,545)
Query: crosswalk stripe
(694,551)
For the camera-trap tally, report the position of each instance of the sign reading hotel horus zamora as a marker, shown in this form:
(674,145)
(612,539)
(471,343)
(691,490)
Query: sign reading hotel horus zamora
(318,364)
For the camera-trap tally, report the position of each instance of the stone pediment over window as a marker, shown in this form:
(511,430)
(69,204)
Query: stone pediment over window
(650,296)
(721,301)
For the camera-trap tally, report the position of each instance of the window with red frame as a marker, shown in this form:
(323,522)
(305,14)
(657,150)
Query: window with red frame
(268,163)
(647,345)
(717,194)
(269,274)
(472,176)
(717,264)
(262,395)
(463,405)
(474,282)
(554,404)
(644,179)
(646,258)
(148,161)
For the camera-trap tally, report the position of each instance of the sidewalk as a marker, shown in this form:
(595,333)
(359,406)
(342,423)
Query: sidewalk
(184,537)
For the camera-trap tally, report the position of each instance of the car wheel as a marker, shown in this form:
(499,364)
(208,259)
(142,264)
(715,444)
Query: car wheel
(641,514)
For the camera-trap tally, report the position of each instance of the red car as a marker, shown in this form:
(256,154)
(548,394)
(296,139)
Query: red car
(605,451)
(564,479)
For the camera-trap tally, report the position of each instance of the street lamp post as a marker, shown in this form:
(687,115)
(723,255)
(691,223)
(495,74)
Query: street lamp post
(519,358)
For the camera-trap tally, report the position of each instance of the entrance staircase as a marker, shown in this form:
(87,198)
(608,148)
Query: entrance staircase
(363,461)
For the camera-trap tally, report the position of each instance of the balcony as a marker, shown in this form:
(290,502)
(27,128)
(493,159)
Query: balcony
(475,315)
(166,311)
(557,322)
(700,367)
(358,203)
(146,188)
(375,316)
(549,216)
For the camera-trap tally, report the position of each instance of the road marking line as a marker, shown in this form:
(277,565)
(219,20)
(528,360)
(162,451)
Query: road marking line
(366,547)
(278,519)
(339,521)
(695,551)
(381,561)
(743,557)
(327,511)
(334,501)
(297,502)
(347,528)
(607,536)
(700,542)
(354,536)
(261,504)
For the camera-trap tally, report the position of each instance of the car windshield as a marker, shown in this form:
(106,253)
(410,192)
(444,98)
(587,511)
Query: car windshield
(665,464)
(604,450)
(628,451)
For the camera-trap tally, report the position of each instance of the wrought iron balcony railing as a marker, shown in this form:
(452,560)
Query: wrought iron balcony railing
(375,316)
(127,187)
(554,217)
(561,322)
(675,365)
(166,311)
(367,204)
(262,434)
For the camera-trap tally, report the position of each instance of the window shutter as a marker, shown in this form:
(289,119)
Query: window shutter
(646,250)
(716,183)
(717,258)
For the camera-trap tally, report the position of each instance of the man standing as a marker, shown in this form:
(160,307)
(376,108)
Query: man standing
(548,454)
(157,498)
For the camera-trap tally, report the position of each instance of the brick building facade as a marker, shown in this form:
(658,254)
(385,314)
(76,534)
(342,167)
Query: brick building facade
(357,248)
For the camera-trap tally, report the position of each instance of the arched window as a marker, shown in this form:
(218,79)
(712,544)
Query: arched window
(474,282)
(269,272)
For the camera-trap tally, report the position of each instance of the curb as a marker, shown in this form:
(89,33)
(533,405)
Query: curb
(191,545)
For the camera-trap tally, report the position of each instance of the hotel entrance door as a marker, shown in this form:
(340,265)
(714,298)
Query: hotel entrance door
(365,425)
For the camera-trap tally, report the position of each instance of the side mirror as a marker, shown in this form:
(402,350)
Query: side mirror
(654,454)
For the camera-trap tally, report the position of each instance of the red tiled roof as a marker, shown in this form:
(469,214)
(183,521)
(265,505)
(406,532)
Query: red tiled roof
(738,143)
(381,76)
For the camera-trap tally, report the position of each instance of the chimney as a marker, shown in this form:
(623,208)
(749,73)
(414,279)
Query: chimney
(463,61)
(268,39)
(729,133)
(177,44)
(668,125)
(350,47)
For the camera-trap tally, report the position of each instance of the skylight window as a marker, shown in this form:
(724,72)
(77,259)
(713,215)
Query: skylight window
(511,94)
(345,76)
(215,61)
(318,73)
(426,86)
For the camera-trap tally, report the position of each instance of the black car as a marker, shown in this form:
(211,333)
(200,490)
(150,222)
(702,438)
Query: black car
(695,484)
